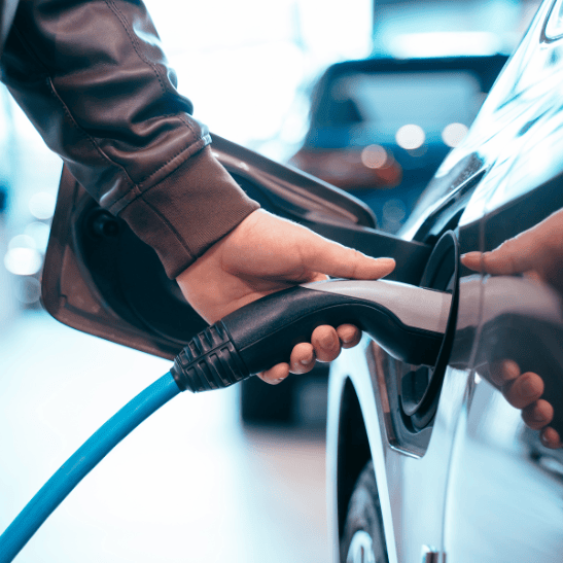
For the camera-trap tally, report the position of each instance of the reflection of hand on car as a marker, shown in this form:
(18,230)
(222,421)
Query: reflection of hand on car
(265,254)
(523,391)
(538,254)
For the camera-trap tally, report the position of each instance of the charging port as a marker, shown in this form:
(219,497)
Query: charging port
(420,386)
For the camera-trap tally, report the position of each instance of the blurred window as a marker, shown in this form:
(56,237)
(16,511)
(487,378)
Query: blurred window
(247,66)
(430,100)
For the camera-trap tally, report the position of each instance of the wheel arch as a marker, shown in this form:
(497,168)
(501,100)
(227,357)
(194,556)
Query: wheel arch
(354,451)
(357,416)
(352,441)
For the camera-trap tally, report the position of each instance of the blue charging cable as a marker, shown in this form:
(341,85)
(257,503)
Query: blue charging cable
(209,361)
(30,519)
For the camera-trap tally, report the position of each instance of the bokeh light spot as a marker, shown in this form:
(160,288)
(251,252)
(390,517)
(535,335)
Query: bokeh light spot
(42,205)
(23,261)
(453,134)
(21,241)
(28,290)
(410,136)
(374,156)
(394,211)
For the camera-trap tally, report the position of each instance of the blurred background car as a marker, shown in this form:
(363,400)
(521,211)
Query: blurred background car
(380,127)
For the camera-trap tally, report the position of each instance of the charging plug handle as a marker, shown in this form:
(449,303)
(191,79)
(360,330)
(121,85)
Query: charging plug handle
(407,321)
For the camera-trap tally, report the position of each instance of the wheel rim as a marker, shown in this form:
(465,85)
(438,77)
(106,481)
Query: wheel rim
(361,549)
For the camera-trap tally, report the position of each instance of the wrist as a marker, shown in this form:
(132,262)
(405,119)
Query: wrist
(189,211)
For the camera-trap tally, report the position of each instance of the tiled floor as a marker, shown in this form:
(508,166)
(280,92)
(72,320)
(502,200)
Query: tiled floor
(188,485)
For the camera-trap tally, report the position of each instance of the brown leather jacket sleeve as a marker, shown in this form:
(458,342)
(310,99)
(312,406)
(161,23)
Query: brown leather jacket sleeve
(93,79)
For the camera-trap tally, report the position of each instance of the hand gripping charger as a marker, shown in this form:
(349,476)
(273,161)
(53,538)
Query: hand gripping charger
(407,321)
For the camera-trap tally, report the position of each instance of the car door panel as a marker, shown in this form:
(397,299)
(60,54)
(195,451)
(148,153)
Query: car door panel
(502,502)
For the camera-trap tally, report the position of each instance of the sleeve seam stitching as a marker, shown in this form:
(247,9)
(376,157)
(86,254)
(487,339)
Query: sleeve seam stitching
(154,172)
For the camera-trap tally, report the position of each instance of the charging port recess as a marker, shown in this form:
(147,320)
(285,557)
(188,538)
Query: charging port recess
(420,385)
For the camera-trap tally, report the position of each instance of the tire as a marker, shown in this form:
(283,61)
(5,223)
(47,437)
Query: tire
(363,540)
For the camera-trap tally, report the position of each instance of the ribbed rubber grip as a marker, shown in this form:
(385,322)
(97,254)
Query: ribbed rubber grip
(209,361)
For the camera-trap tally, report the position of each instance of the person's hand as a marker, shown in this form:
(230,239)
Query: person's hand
(537,253)
(265,254)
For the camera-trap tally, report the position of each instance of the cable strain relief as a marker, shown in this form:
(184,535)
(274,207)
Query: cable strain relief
(209,361)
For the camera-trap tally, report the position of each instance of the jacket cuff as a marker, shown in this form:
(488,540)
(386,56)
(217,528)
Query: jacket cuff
(188,211)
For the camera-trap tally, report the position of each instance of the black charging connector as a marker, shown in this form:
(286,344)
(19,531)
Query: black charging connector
(407,321)
(209,361)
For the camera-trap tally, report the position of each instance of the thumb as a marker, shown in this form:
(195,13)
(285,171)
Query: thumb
(531,249)
(333,259)
(514,256)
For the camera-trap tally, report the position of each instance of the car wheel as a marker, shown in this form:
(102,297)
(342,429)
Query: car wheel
(362,541)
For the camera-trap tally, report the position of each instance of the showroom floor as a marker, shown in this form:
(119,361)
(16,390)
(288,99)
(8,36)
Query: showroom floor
(188,486)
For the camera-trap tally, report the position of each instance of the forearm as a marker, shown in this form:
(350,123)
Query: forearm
(93,79)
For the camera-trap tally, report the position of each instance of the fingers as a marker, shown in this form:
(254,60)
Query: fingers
(524,390)
(520,390)
(302,358)
(340,261)
(349,335)
(538,414)
(550,438)
(275,375)
(514,256)
(326,344)
(503,372)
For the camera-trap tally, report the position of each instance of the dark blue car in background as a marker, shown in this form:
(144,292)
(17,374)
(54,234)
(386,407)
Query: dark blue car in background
(380,127)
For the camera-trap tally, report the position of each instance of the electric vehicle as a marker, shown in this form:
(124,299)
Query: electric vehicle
(425,459)
(433,464)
